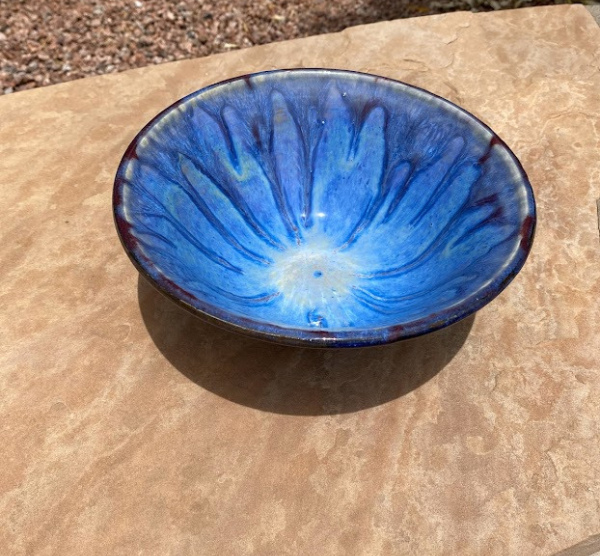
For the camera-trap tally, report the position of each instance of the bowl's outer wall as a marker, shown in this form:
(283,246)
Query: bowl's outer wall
(323,207)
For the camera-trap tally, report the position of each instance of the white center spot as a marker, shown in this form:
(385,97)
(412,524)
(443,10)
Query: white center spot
(311,278)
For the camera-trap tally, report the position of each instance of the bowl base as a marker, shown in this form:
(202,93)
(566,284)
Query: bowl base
(315,279)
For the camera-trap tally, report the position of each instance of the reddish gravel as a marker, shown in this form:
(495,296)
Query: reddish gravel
(51,41)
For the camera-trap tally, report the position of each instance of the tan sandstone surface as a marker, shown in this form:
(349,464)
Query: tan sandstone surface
(129,427)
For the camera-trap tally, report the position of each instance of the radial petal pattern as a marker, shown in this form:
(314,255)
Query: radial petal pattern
(323,207)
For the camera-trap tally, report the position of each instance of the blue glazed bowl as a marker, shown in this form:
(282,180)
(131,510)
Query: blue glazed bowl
(323,208)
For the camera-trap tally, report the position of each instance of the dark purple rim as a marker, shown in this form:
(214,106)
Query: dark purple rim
(356,337)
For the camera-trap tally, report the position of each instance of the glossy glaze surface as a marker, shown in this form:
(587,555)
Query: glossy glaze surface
(323,206)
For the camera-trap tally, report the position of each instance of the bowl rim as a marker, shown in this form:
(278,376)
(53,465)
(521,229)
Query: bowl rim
(322,337)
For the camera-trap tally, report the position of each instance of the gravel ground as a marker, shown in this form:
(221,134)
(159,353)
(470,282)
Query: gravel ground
(51,41)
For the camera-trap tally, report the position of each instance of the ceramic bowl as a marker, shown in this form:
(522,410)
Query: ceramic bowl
(323,207)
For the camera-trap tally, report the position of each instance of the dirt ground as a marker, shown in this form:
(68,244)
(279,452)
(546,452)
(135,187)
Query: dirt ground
(51,41)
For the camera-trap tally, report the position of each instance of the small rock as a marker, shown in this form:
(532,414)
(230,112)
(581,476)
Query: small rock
(138,4)
(201,36)
(8,90)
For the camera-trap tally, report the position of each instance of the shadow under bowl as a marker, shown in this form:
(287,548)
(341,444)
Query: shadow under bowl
(323,208)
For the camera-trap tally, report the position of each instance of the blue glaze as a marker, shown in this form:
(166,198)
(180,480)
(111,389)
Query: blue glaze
(323,207)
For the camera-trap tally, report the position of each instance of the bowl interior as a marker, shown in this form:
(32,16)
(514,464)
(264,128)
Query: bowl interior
(324,204)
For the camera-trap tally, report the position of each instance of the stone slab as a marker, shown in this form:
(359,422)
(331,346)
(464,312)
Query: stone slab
(128,427)
(594,9)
